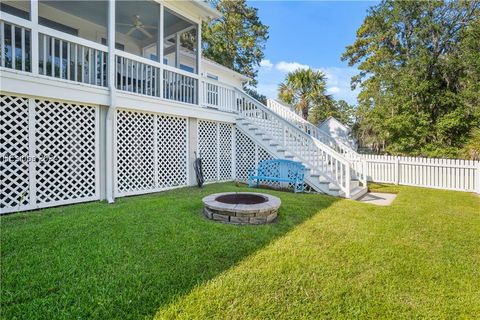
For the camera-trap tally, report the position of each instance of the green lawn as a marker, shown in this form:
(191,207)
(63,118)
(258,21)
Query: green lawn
(156,255)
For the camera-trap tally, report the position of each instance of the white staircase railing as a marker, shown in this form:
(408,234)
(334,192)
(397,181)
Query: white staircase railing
(340,146)
(329,163)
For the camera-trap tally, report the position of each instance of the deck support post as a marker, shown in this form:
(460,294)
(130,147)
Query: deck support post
(110,156)
(34,34)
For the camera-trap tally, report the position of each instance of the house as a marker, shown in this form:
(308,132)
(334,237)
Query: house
(337,130)
(105,99)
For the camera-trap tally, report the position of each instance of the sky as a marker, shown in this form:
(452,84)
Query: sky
(309,34)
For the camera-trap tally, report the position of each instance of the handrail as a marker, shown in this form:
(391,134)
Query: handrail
(70,38)
(334,166)
(334,143)
(180,71)
(264,108)
(137,58)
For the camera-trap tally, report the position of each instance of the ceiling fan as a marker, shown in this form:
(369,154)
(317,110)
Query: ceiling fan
(137,24)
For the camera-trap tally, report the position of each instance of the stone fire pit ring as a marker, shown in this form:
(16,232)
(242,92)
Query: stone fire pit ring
(241,207)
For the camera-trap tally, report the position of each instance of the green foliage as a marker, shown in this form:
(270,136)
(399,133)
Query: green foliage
(419,76)
(472,147)
(258,96)
(237,39)
(305,89)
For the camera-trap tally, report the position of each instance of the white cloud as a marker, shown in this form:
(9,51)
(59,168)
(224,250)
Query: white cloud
(265,63)
(289,66)
(338,79)
(333,90)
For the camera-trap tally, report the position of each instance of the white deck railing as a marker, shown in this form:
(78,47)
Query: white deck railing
(17,37)
(312,130)
(320,157)
(72,58)
(179,85)
(137,75)
(218,96)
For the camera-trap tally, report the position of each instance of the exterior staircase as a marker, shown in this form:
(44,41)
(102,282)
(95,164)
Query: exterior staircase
(327,170)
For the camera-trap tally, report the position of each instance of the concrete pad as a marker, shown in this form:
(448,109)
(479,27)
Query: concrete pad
(378,198)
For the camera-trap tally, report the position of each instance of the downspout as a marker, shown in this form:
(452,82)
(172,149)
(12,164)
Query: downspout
(109,125)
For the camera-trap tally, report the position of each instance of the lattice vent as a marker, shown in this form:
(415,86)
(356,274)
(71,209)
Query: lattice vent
(14,170)
(152,152)
(208,148)
(172,151)
(135,151)
(225,151)
(66,151)
(245,155)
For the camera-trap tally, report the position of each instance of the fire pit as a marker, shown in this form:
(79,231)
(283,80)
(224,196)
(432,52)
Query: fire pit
(241,207)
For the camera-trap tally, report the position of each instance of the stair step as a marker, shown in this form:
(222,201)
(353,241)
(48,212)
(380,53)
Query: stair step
(252,128)
(358,192)
(266,138)
(259,133)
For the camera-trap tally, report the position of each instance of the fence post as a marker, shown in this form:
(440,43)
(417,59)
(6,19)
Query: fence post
(364,171)
(347,181)
(397,171)
(478,177)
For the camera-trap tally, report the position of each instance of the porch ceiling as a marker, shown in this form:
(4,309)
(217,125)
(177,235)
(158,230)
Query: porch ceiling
(95,11)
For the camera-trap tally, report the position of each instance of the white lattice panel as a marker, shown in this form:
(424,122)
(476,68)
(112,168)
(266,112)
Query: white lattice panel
(66,150)
(49,153)
(135,152)
(172,151)
(208,149)
(225,151)
(14,169)
(245,155)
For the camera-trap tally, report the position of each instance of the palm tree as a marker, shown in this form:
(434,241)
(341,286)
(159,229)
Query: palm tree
(303,89)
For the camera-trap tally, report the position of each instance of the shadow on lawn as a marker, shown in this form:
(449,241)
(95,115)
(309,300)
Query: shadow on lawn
(128,259)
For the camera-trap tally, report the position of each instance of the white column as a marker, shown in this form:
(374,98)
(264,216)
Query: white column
(177,50)
(199,63)
(199,48)
(110,153)
(160,46)
(34,32)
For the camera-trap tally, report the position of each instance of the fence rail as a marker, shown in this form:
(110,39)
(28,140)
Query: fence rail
(448,174)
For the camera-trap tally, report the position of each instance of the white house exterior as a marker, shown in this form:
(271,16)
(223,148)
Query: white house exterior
(101,99)
(337,130)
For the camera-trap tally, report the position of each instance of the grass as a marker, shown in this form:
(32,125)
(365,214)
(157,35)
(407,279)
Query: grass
(156,256)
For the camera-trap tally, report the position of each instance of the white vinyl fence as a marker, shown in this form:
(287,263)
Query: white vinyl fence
(449,174)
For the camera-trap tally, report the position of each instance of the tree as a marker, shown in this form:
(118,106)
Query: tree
(304,89)
(258,96)
(237,39)
(419,71)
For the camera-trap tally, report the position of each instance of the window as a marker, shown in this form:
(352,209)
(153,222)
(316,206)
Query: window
(21,10)
(186,68)
(212,76)
(118,46)
(165,61)
(57,26)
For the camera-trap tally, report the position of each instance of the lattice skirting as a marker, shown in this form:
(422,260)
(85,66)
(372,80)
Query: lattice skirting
(151,152)
(248,154)
(215,143)
(49,153)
